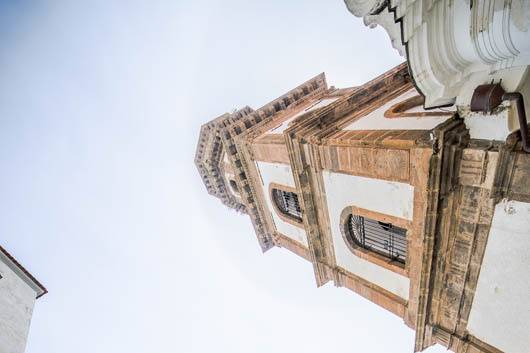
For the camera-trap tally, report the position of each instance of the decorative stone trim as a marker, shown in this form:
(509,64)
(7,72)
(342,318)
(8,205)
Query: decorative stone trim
(399,110)
(271,149)
(370,291)
(450,137)
(461,344)
(373,162)
(331,119)
(368,255)
(315,215)
(295,247)
(291,220)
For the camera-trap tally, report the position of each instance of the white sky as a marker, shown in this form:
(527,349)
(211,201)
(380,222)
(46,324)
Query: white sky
(100,107)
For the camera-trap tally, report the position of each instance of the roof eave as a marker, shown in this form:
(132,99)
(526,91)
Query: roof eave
(24,274)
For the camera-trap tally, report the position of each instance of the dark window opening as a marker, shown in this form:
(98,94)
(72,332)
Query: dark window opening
(287,203)
(382,238)
(233,185)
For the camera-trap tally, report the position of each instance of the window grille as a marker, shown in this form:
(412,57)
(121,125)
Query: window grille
(287,203)
(379,237)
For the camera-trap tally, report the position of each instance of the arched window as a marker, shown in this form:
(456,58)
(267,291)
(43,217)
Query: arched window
(382,238)
(287,203)
(233,185)
(413,108)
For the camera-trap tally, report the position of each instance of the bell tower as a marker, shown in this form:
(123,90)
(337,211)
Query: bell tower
(381,196)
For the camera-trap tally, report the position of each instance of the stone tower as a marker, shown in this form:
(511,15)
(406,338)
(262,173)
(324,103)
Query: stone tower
(392,201)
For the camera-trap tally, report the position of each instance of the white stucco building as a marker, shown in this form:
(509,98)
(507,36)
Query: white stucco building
(18,293)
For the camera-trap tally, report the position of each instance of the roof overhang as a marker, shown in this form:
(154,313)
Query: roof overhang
(21,272)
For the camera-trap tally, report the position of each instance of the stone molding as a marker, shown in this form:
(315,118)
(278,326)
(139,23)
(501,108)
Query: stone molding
(368,255)
(295,247)
(320,124)
(450,133)
(284,217)
(461,344)
(375,294)
(270,148)
(399,110)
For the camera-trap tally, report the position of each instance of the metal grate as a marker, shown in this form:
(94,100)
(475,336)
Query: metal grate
(287,203)
(382,238)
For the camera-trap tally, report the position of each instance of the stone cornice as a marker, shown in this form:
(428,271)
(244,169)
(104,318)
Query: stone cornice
(360,101)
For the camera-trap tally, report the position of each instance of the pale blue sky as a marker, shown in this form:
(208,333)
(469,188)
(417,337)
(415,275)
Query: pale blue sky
(100,107)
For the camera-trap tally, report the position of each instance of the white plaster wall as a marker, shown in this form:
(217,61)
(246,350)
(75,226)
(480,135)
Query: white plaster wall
(376,120)
(280,174)
(500,313)
(499,125)
(387,197)
(16,307)
(319,104)
(488,127)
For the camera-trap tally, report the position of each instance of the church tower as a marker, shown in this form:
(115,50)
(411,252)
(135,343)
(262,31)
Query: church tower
(381,196)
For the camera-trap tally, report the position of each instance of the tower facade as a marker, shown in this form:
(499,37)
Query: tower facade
(394,202)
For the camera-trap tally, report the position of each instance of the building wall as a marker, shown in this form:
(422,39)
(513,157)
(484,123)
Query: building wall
(504,120)
(279,174)
(500,312)
(494,127)
(376,119)
(16,307)
(387,197)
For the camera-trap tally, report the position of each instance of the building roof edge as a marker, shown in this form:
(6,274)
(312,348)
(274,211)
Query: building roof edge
(26,276)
